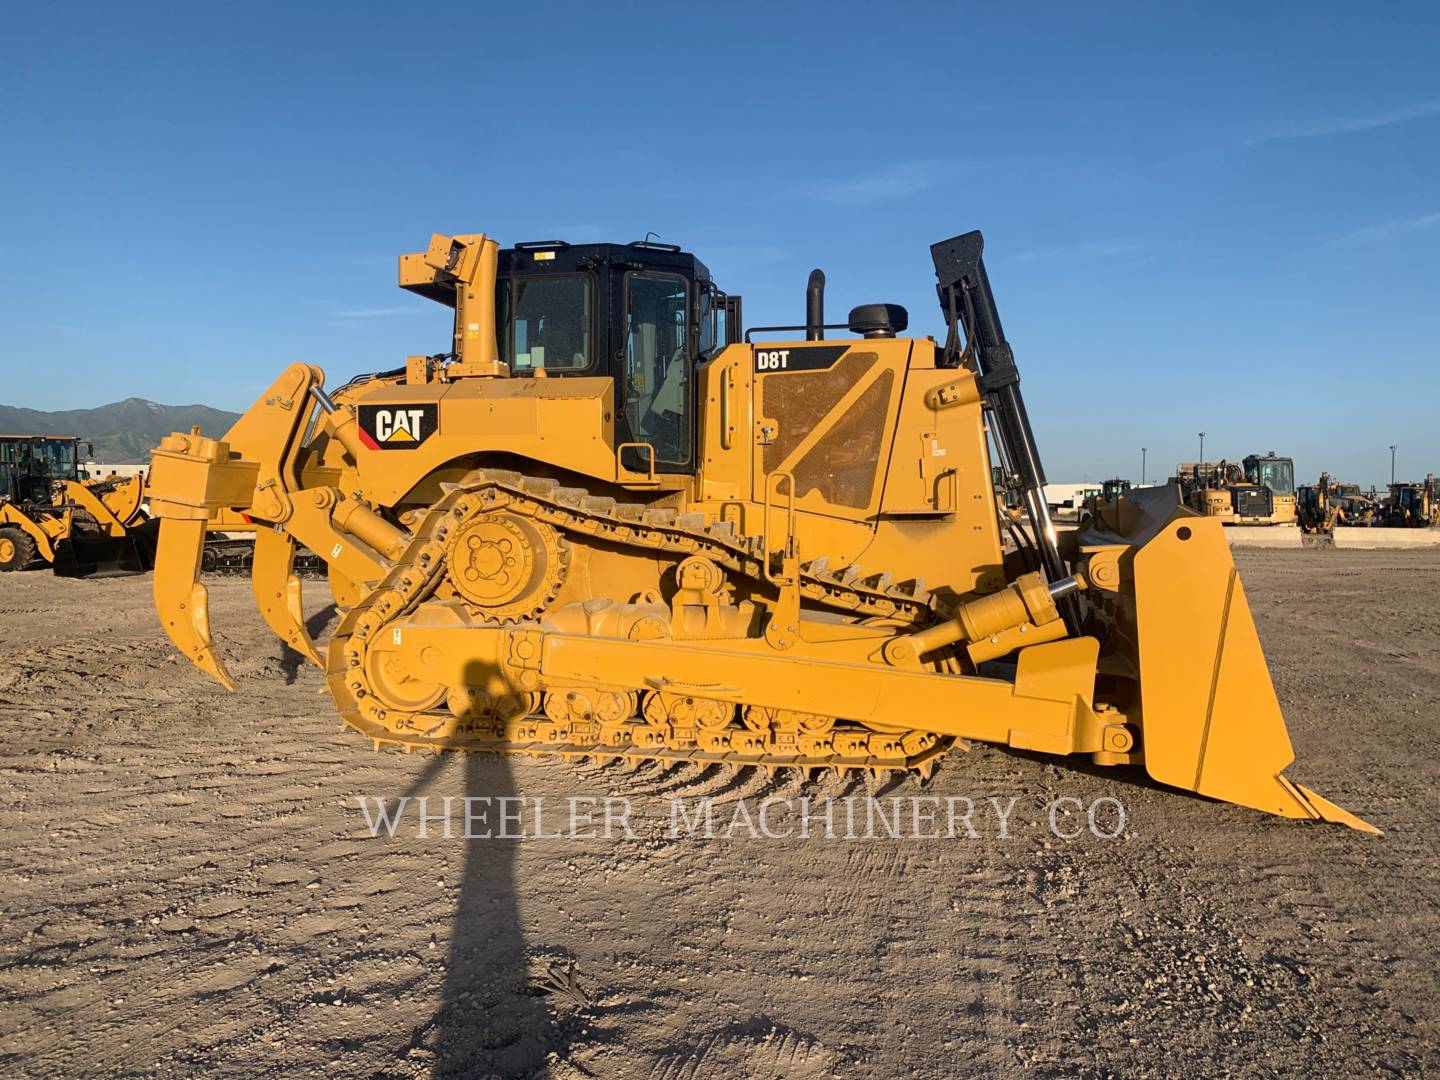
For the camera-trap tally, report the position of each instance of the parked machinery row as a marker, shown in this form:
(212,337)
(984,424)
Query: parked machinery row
(1326,504)
(50,516)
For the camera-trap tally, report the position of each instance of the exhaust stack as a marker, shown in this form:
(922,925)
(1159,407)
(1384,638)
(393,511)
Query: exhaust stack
(815,306)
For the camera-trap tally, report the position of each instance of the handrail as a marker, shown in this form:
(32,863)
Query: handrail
(621,471)
(772,486)
(727,425)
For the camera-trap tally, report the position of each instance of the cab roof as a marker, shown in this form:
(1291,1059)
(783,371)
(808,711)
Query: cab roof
(561,257)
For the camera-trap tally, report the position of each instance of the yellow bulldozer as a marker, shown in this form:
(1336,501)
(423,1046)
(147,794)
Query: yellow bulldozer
(50,516)
(606,523)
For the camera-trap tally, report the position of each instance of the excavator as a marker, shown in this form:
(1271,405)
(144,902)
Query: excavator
(606,522)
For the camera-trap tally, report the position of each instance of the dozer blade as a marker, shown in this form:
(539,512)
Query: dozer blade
(277,592)
(84,555)
(182,603)
(1211,720)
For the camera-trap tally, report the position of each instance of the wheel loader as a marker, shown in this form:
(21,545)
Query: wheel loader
(605,522)
(50,516)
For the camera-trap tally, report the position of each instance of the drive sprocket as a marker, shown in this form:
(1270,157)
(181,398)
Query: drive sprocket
(507,567)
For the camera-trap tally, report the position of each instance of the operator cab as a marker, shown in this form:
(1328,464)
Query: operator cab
(31,464)
(644,314)
(1275,473)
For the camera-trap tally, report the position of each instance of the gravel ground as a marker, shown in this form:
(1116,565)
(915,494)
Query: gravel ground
(189,886)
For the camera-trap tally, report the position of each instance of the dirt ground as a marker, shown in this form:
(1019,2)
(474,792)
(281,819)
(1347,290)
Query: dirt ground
(189,886)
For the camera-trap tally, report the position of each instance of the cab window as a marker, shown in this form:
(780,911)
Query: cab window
(1278,476)
(707,321)
(715,329)
(657,368)
(544,322)
(57,459)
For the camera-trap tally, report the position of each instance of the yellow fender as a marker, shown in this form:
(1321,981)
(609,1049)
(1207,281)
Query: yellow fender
(45,532)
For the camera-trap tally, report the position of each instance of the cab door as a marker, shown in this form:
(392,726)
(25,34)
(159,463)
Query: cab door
(655,387)
(7,468)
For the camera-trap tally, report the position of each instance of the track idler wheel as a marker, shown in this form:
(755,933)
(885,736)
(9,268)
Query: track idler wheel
(393,686)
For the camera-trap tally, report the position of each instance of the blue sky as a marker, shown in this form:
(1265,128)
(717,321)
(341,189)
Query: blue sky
(1198,216)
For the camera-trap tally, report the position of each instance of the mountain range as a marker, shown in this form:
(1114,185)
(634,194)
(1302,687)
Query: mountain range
(123,432)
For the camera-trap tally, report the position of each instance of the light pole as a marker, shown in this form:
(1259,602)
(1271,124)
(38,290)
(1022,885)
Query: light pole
(1202,448)
(1392,465)
(1143,451)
